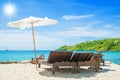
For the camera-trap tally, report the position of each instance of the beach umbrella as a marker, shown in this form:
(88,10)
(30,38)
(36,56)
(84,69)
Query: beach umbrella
(32,22)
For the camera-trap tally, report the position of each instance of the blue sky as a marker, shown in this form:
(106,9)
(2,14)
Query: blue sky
(78,21)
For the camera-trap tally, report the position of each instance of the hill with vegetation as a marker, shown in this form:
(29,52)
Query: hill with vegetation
(112,44)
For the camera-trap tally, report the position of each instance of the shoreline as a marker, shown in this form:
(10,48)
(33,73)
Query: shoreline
(10,62)
(28,61)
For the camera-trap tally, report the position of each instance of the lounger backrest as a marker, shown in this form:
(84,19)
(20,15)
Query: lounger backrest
(74,58)
(81,57)
(59,56)
(90,55)
(86,56)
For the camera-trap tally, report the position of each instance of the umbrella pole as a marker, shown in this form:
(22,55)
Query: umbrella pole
(34,44)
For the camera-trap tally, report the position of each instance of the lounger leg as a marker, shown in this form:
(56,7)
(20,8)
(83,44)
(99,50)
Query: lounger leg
(75,69)
(78,69)
(96,68)
(39,65)
(53,69)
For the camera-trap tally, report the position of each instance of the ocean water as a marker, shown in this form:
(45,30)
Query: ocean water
(112,56)
(21,55)
(28,55)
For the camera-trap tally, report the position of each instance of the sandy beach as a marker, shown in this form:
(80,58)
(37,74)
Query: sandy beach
(28,71)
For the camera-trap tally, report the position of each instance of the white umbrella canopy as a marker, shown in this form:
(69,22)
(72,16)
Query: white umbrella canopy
(32,22)
(26,23)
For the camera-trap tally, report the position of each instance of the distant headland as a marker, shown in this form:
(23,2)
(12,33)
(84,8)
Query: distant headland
(110,44)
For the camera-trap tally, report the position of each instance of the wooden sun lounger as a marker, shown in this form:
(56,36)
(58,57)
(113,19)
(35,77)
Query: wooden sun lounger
(59,58)
(85,59)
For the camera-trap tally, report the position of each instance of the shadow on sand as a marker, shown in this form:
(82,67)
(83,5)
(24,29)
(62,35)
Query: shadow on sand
(68,72)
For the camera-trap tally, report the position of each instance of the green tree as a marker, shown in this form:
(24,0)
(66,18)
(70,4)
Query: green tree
(112,44)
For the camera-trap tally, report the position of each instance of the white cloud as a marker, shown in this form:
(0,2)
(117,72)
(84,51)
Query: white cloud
(23,40)
(108,26)
(71,17)
(88,32)
(112,27)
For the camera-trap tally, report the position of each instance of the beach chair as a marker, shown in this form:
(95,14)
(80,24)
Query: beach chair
(99,59)
(59,58)
(41,57)
(85,59)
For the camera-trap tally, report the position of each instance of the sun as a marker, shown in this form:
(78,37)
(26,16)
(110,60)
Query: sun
(9,9)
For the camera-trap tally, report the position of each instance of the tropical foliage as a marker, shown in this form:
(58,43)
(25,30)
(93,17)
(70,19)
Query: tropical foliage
(112,44)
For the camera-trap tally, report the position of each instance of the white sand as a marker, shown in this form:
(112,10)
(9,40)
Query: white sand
(28,72)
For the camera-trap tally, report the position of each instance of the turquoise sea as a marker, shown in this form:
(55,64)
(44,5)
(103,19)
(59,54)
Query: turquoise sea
(29,54)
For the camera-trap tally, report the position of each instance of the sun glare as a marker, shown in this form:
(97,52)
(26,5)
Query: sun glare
(9,9)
